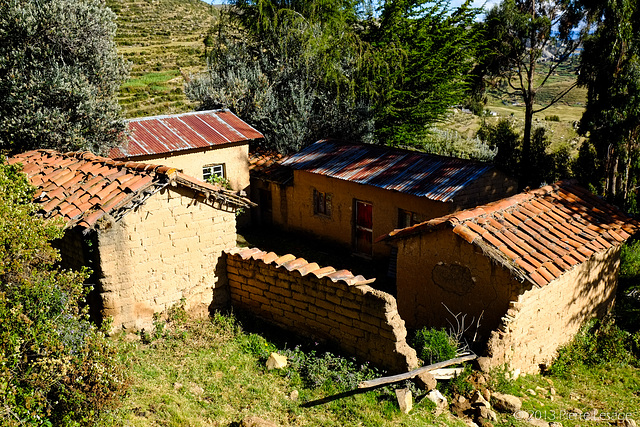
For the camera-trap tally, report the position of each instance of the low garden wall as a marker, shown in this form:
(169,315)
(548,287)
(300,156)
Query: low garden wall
(321,303)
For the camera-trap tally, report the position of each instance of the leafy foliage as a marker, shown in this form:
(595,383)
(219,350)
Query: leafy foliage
(55,367)
(302,71)
(290,73)
(610,69)
(429,49)
(545,166)
(59,73)
(521,33)
(434,345)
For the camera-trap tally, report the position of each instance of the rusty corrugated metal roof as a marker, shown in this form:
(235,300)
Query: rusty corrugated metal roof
(420,174)
(199,129)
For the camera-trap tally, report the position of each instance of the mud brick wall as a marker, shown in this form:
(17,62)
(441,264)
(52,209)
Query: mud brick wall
(163,251)
(321,303)
(543,319)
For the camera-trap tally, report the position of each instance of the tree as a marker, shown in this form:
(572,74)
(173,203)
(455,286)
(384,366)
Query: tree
(610,69)
(55,367)
(429,49)
(59,74)
(305,70)
(521,32)
(288,68)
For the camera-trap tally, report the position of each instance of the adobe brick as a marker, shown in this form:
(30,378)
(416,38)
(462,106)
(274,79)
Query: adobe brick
(346,312)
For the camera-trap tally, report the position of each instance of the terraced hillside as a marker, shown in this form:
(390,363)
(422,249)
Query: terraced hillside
(163,41)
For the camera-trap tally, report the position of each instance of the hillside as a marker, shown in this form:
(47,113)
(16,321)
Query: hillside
(163,41)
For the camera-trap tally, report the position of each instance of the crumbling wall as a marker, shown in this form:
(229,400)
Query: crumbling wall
(320,302)
(543,319)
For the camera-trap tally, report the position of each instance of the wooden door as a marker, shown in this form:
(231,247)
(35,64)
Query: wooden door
(364,227)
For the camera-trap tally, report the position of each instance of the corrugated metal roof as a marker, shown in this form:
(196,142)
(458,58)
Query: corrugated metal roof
(424,175)
(199,129)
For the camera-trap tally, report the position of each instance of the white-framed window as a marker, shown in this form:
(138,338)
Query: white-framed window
(209,171)
(321,203)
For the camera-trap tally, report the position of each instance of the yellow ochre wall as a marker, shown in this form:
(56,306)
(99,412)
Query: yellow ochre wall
(386,203)
(165,250)
(523,324)
(234,156)
(440,269)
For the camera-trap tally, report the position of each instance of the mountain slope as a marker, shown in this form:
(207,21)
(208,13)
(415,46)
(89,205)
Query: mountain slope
(163,41)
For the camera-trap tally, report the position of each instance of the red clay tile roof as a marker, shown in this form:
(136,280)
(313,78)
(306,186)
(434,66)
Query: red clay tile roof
(540,234)
(82,187)
(291,263)
(265,165)
(178,132)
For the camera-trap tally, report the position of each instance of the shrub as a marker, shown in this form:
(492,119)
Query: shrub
(434,345)
(597,343)
(552,118)
(56,368)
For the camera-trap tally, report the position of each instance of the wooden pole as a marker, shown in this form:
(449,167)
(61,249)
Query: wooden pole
(408,375)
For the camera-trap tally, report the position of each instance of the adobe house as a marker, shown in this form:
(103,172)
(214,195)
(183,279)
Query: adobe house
(350,193)
(151,235)
(533,267)
(202,144)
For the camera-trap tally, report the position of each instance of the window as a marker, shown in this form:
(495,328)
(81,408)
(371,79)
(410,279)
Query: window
(408,218)
(209,171)
(321,203)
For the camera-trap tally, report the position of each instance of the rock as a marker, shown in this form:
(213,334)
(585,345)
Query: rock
(521,415)
(256,422)
(574,396)
(628,422)
(506,403)
(294,395)
(460,407)
(478,400)
(441,402)
(484,364)
(276,361)
(177,386)
(541,390)
(486,394)
(425,381)
(469,422)
(515,374)
(531,392)
(555,424)
(552,391)
(485,423)
(537,422)
(486,413)
(405,399)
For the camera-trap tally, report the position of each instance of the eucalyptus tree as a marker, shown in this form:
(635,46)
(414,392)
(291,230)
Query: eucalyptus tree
(520,32)
(610,70)
(59,75)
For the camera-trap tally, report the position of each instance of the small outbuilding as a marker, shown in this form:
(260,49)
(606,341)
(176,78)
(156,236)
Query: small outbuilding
(203,144)
(151,235)
(524,272)
(349,193)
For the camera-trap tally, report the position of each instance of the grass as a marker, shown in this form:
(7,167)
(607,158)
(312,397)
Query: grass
(212,373)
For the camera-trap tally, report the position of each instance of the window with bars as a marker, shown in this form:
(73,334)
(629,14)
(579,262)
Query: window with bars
(210,171)
(321,203)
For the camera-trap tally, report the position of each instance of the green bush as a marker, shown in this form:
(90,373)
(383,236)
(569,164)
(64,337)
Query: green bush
(552,118)
(434,345)
(597,343)
(56,368)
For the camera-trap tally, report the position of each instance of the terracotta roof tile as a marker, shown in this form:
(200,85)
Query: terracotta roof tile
(543,233)
(82,187)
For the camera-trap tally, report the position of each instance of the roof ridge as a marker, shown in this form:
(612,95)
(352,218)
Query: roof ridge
(135,167)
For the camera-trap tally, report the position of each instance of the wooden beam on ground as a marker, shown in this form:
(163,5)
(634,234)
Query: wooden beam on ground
(408,375)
